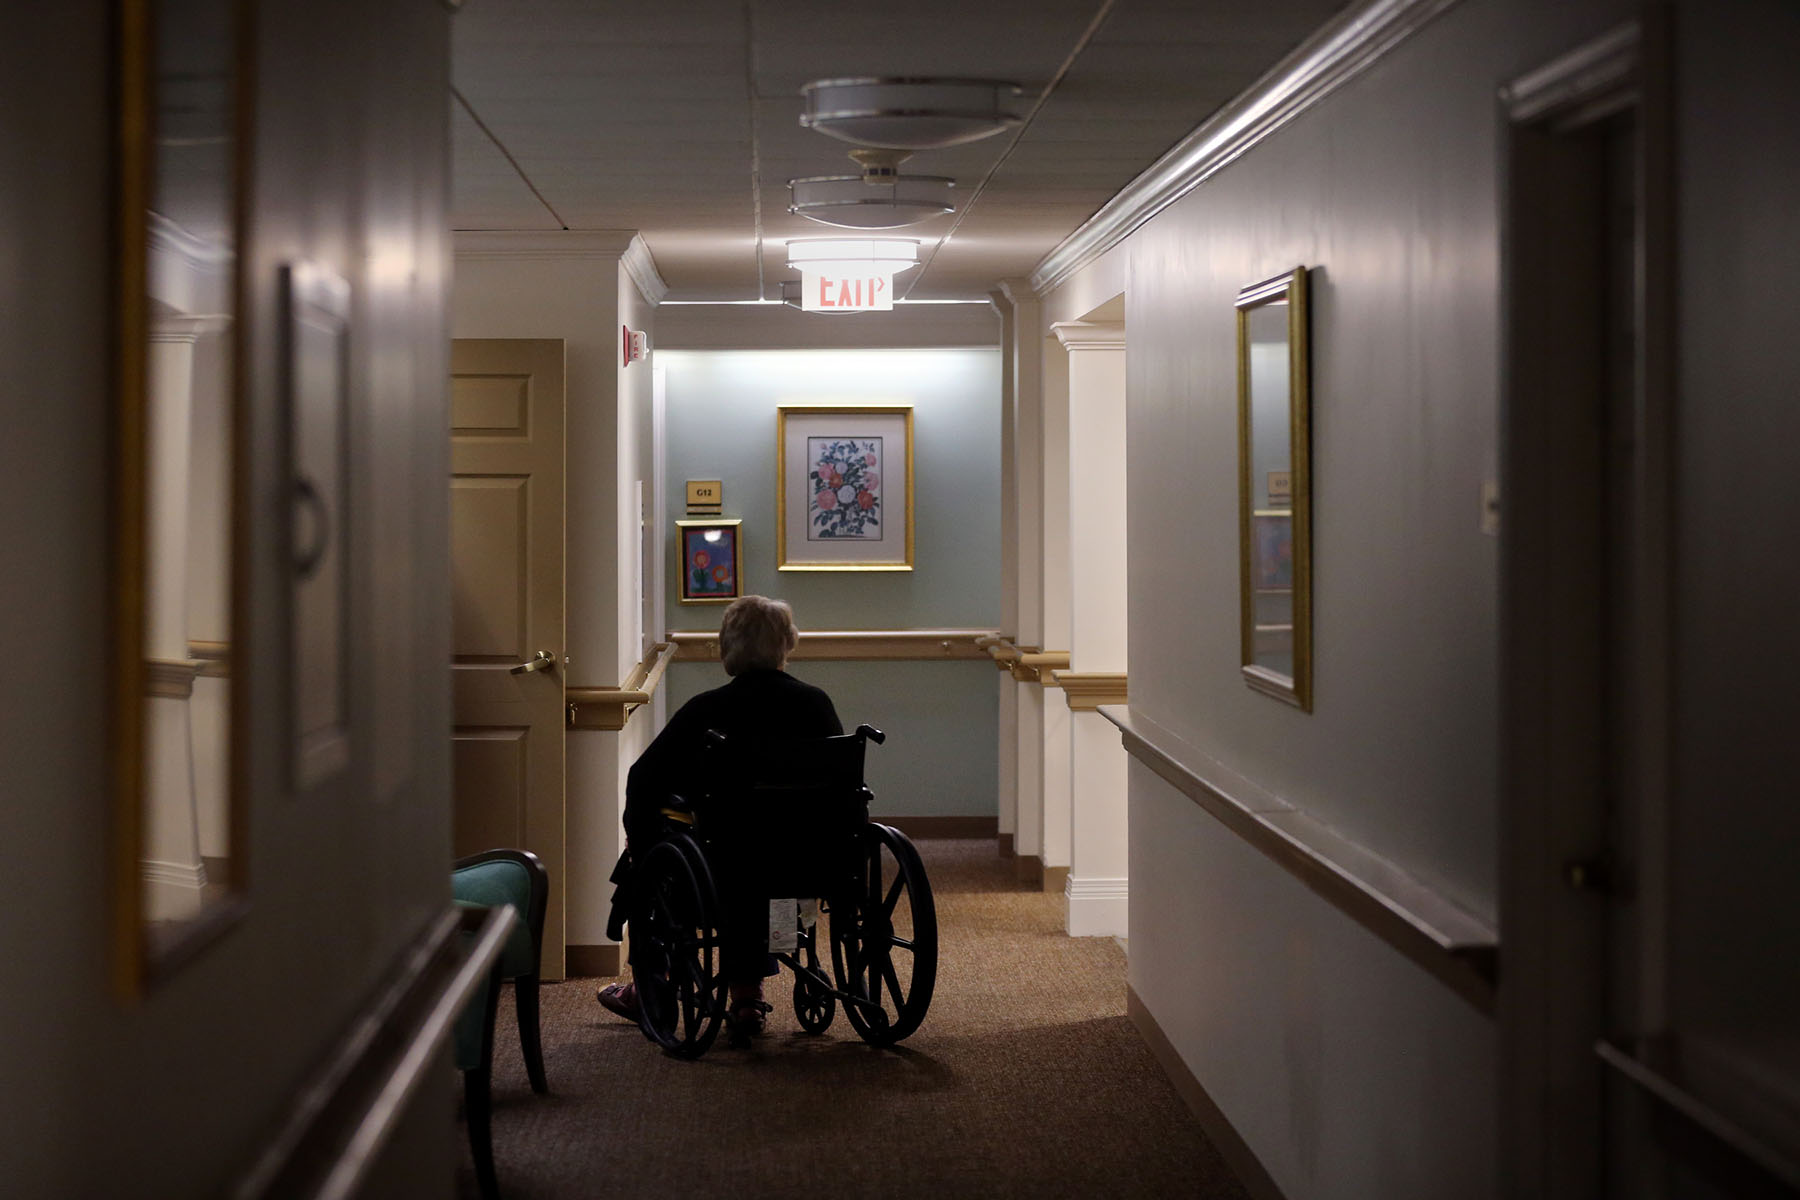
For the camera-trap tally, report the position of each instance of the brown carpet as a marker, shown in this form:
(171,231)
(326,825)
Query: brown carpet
(1025,1080)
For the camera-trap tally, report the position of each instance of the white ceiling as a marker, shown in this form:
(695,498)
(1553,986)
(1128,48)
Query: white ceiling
(679,119)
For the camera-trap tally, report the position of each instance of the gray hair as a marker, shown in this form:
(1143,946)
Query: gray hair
(757,632)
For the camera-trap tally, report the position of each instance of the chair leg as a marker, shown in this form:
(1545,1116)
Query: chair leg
(525,999)
(478,1107)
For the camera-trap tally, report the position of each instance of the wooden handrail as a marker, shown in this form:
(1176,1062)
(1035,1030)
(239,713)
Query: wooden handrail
(1005,651)
(854,645)
(1654,1066)
(1089,691)
(1045,658)
(610,708)
(1039,666)
(661,657)
(214,658)
(325,1146)
(1458,948)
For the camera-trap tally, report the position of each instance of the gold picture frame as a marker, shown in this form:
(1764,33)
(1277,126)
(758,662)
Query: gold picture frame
(179,830)
(1275,521)
(838,503)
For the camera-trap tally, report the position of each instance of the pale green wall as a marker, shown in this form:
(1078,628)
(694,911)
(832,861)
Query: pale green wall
(721,425)
(941,718)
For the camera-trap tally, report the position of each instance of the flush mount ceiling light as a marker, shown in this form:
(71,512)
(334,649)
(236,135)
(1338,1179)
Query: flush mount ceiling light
(879,198)
(909,114)
(853,256)
(856,202)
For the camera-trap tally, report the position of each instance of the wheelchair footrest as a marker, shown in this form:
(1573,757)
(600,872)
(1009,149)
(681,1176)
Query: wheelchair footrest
(817,979)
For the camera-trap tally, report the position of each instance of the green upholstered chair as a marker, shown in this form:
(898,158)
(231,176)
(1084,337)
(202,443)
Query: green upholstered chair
(514,877)
(474,1058)
(485,880)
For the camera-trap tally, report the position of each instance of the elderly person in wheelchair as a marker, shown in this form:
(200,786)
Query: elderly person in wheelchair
(752,793)
(763,703)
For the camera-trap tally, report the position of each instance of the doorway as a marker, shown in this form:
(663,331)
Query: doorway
(1585,652)
(507,558)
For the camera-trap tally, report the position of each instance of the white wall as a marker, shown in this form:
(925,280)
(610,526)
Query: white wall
(1348,1071)
(574,285)
(173,1092)
(596,830)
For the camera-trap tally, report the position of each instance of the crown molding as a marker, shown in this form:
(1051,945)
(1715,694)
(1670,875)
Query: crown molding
(543,243)
(1606,64)
(1341,50)
(166,236)
(623,246)
(642,268)
(1020,291)
(1090,335)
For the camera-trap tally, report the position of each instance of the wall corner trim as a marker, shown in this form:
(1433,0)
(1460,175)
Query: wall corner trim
(1340,51)
(642,268)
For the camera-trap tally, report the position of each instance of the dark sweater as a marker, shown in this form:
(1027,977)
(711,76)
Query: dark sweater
(761,705)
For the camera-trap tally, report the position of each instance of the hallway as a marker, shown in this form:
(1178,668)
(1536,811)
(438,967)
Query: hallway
(1027,1079)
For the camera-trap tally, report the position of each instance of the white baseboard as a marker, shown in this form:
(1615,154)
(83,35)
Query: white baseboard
(1098,907)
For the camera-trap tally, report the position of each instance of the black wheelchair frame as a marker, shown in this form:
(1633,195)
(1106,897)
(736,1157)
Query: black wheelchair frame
(789,821)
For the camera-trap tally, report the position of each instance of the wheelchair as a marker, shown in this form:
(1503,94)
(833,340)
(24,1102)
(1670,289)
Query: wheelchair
(779,823)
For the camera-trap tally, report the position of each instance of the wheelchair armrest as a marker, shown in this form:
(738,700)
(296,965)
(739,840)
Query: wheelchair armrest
(677,808)
(871,734)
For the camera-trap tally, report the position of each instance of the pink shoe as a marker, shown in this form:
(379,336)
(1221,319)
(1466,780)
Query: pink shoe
(620,998)
(747,1015)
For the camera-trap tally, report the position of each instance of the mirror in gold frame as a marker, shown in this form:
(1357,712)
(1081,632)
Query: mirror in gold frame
(178,823)
(1275,488)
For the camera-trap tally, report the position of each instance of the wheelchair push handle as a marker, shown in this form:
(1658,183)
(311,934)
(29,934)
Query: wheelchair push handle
(871,734)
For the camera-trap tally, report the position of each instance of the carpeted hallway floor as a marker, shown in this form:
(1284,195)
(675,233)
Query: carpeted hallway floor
(1026,1080)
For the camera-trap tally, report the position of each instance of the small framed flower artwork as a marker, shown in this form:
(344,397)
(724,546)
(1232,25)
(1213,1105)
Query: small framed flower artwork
(845,488)
(710,562)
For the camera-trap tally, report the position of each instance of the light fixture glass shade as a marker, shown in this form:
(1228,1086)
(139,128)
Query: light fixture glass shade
(855,202)
(909,114)
(853,255)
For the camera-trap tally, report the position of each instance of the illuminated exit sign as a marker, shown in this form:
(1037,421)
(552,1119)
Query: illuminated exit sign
(822,291)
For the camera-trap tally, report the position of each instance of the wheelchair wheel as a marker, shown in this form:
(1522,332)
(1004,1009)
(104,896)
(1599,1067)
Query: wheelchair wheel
(674,949)
(814,1007)
(884,939)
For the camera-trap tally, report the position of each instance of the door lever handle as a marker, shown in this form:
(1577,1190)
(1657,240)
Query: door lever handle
(537,662)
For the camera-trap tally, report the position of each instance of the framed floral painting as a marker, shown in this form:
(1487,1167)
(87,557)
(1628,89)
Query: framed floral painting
(845,488)
(710,561)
